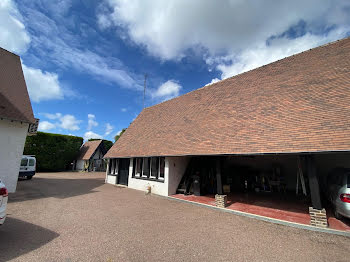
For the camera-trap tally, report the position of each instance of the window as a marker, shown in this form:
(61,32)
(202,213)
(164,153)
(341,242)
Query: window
(116,166)
(348,182)
(31,162)
(138,167)
(149,167)
(146,167)
(24,162)
(113,166)
(154,167)
(133,167)
(110,166)
(161,168)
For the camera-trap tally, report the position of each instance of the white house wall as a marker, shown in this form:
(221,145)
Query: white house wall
(158,188)
(80,165)
(177,168)
(12,139)
(174,169)
(98,154)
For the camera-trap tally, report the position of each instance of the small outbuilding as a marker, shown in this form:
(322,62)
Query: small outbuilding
(16,117)
(90,157)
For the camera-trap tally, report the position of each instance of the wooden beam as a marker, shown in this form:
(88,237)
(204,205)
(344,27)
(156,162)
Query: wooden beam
(313,183)
(218,177)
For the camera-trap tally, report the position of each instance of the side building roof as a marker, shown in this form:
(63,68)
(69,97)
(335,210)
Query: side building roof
(14,99)
(298,104)
(88,149)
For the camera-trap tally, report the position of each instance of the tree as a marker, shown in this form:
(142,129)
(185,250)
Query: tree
(119,135)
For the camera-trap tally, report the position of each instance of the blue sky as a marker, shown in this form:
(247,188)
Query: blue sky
(84,61)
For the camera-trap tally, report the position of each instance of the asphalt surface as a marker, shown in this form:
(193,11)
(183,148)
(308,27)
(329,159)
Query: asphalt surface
(76,217)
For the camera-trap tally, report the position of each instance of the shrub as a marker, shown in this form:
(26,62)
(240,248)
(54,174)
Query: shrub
(53,152)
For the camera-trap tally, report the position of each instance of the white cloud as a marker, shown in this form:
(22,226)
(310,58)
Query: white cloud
(233,36)
(46,126)
(167,90)
(88,135)
(42,85)
(52,116)
(213,81)
(13,35)
(226,27)
(276,49)
(124,110)
(92,121)
(109,129)
(69,122)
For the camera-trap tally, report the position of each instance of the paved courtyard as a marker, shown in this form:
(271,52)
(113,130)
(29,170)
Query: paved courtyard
(76,217)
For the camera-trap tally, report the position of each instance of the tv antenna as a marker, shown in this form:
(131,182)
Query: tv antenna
(144,90)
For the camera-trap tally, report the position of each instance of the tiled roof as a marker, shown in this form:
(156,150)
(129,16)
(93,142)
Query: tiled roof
(14,99)
(297,104)
(88,149)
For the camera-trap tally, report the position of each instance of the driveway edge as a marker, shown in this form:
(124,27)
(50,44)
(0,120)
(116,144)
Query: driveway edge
(266,219)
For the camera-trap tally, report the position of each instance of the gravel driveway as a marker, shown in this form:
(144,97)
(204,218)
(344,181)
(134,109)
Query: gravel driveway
(76,217)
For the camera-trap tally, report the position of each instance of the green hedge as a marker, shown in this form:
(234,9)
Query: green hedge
(53,152)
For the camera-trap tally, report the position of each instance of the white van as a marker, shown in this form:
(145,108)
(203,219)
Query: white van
(27,168)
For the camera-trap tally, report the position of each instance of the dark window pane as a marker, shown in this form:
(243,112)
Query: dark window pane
(116,166)
(161,167)
(139,166)
(155,165)
(133,167)
(146,166)
(31,162)
(348,182)
(110,166)
(24,162)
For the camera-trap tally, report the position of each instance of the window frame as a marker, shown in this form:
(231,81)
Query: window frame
(138,164)
(143,167)
(151,165)
(114,166)
(31,160)
(141,162)
(159,169)
(26,159)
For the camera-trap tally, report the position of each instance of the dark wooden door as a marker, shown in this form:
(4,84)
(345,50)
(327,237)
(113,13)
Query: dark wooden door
(123,174)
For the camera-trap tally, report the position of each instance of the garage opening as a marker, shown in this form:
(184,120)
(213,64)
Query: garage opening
(272,185)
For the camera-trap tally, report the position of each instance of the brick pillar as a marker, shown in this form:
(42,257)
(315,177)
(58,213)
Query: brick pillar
(318,218)
(220,200)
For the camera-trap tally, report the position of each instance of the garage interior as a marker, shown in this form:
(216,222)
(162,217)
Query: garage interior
(279,186)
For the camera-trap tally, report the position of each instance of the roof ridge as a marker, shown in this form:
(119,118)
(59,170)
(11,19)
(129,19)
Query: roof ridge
(243,73)
(9,51)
